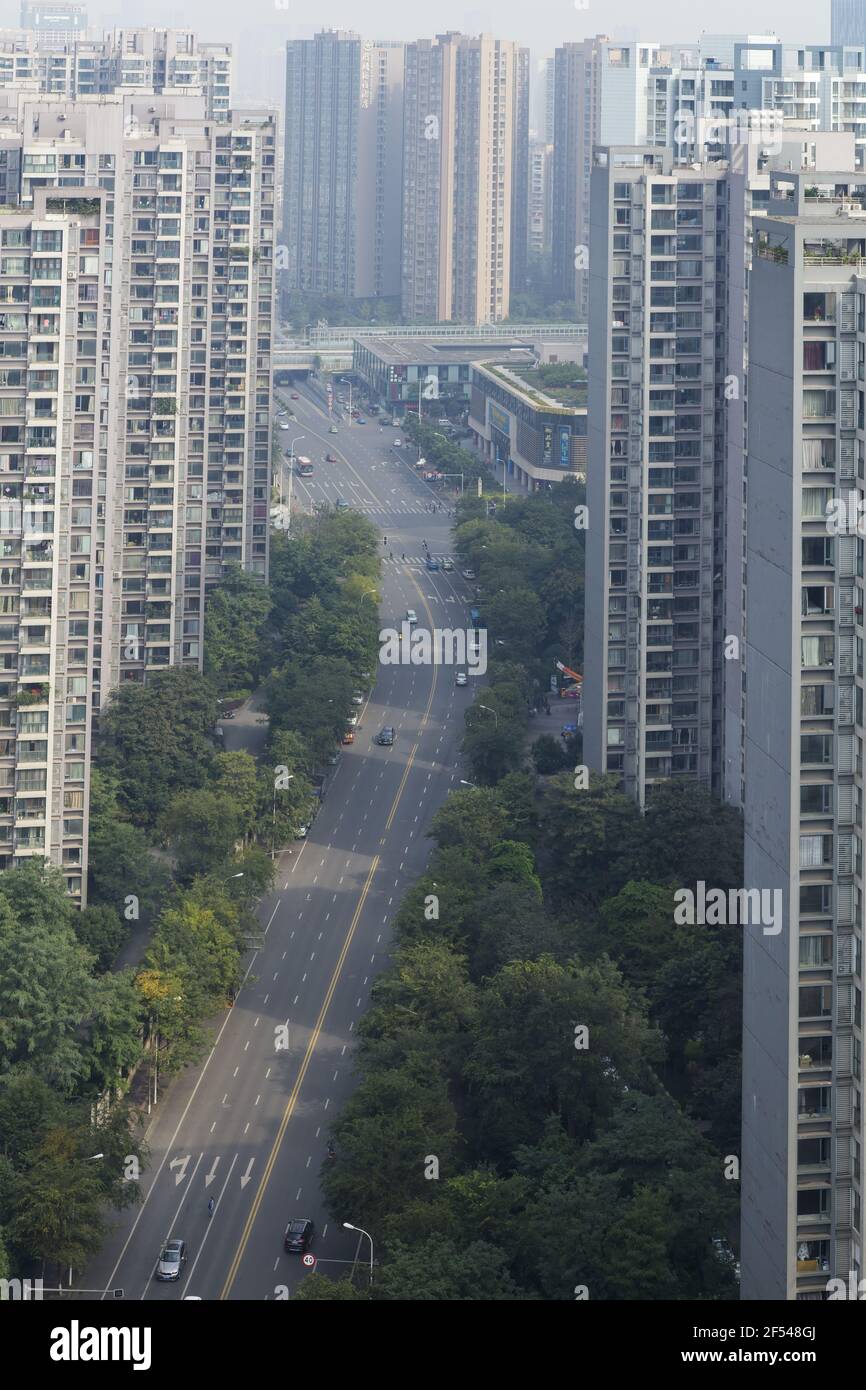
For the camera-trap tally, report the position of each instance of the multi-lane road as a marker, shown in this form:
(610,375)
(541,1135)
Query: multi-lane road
(250,1127)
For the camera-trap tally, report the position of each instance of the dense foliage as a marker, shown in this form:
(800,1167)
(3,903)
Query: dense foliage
(497,1149)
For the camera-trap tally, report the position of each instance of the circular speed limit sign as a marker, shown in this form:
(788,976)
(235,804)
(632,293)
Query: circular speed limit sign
(309,1261)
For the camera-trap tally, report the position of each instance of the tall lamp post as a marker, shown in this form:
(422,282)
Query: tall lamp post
(297,439)
(290,777)
(349,1227)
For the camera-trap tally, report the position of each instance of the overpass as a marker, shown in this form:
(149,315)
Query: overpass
(332,344)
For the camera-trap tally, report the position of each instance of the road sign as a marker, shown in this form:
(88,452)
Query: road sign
(309,1261)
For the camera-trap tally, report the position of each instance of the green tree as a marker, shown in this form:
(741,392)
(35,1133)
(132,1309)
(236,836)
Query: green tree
(120,861)
(156,740)
(318,1288)
(46,986)
(235,615)
(440,1270)
(102,931)
(201,828)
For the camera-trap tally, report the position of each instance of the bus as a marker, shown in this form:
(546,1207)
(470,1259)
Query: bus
(305,466)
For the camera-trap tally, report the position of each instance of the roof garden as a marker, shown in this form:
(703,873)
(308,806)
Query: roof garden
(550,385)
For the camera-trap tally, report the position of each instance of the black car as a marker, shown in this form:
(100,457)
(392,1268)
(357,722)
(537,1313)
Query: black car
(299,1236)
(385,737)
(172,1260)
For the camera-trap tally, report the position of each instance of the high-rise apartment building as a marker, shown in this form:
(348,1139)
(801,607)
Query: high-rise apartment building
(520,175)
(803,1139)
(165,61)
(465,176)
(379,193)
(847,22)
(601,93)
(656,469)
(540,198)
(54,24)
(137,246)
(320,169)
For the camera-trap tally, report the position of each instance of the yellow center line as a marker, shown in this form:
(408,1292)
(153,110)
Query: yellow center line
(406,771)
(292,1101)
(314,1037)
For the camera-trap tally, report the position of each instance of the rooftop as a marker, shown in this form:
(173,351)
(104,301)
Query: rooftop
(423,352)
(549,386)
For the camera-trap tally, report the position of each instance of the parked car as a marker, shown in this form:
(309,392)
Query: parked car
(358,697)
(283,424)
(301,832)
(333,758)
(171,1260)
(227,714)
(349,736)
(299,1236)
(385,737)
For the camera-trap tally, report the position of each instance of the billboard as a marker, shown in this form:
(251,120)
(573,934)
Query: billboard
(499,418)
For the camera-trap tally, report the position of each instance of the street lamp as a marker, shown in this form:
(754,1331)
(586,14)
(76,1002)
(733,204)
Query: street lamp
(349,1227)
(290,777)
(240,875)
(463,783)
(490,711)
(297,439)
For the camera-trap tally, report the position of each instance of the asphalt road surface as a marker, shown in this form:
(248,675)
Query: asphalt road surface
(250,1127)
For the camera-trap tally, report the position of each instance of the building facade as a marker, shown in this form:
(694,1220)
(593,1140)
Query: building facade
(320,166)
(528,430)
(379,191)
(145,60)
(137,267)
(656,470)
(54,24)
(540,226)
(465,177)
(802,1154)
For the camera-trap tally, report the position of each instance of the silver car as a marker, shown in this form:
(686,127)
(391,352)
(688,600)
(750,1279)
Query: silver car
(172,1260)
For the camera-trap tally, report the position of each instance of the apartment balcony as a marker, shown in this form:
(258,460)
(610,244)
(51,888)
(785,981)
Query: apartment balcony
(33,694)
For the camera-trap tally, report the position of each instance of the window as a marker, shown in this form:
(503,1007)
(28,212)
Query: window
(816,952)
(815,851)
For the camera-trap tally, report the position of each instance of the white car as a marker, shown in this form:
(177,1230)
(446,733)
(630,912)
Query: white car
(357,699)
(301,832)
(396,444)
(461,678)
(411,617)
(352,720)
(283,425)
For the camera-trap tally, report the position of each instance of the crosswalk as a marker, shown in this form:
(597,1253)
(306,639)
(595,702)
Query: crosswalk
(418,561)
(392,509)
